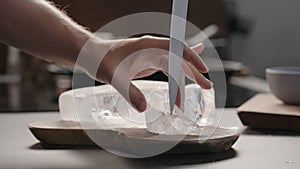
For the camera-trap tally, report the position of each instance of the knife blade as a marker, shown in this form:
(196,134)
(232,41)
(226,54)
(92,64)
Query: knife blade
(177,36)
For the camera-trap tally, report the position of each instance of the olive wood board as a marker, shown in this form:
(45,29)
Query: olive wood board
(265,111)
(69,133)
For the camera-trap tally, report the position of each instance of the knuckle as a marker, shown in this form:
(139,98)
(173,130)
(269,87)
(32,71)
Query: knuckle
(146,38)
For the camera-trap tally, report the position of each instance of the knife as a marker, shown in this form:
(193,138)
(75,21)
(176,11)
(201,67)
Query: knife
(177,36)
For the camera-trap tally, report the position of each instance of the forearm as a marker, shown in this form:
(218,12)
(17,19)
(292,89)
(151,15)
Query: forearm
(38,28)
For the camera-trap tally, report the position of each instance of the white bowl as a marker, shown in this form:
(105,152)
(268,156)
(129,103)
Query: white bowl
(284,82)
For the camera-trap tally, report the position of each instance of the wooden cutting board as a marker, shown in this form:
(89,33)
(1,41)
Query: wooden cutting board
(66,133)
(267,112)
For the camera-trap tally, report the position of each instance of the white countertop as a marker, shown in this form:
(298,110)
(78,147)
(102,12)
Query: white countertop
(254,150)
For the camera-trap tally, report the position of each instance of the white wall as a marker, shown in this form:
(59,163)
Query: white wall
(275,37)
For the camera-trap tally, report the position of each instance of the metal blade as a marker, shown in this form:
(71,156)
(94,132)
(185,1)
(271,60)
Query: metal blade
(177,36)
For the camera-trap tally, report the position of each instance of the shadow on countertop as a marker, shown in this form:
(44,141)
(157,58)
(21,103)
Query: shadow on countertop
(184,159)
(94,157)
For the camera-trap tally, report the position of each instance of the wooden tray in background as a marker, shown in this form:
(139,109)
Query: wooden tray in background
(265,111)
(64,133)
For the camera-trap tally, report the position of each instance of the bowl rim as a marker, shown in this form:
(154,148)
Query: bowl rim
(287,70)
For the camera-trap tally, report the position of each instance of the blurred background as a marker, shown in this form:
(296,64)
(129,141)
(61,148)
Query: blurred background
(250,36)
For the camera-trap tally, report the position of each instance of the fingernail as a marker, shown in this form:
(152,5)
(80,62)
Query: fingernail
(210,83)
(206,68)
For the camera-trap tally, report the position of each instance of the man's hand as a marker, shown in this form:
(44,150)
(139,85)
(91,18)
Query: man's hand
(128,59)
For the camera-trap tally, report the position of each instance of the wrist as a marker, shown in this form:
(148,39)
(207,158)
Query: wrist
(91,57)
(78,42)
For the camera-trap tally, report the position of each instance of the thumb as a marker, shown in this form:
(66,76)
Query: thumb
(130,92)
(137,98)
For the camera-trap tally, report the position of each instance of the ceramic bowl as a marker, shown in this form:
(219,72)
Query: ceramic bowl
(284,83)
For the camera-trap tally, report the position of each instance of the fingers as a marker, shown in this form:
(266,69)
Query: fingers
(197,77)
(191,72)
(192,56)
(198,48)
(192,63)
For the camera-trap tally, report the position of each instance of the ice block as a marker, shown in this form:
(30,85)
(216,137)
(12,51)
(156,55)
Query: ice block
(104,106)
